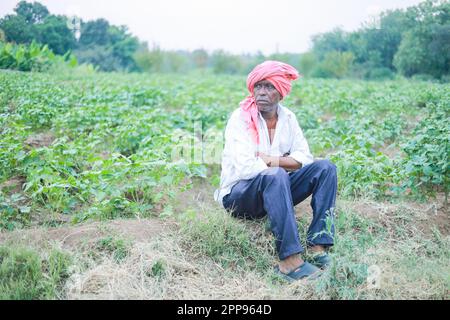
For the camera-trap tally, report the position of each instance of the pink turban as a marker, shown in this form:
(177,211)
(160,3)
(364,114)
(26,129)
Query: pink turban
(280,75)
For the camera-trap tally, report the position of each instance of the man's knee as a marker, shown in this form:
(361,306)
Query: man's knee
(276,173)
(325,165)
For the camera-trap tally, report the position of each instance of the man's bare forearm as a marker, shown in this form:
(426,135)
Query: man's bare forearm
(287,163)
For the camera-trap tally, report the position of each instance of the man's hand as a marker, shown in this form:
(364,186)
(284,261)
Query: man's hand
(267,159)
(284,162)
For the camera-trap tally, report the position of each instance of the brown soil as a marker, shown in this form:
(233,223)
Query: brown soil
(74,237)
(391,151)
(105,155)
(412,122)
(327,117)
(200,194)
(13,185)
(304,208)
(40,140)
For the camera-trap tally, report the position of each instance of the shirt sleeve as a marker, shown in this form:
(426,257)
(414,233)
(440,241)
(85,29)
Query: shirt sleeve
(300,148)
(242,150)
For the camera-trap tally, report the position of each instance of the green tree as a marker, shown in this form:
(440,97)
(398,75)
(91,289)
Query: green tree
(17,29)
(56,34)
(107,46)
(411,41)
(175,61)
(21,27)
(33,13)
(156,58)
(336,40)
(200,57)
(123,46)
(101,57)
(336,64)
(94,32)
(308,62)
(425,48)
(410,55)
(142,57)
(376,44)
(223,62)
(33,22)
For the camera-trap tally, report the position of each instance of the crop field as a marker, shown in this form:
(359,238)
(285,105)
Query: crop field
(107,181)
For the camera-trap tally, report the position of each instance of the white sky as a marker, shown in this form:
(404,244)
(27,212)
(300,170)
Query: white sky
(237,26)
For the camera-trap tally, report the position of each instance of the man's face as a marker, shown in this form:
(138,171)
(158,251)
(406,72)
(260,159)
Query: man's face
(266,96)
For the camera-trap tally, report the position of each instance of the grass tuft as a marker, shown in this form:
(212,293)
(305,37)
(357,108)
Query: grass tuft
(226,240)
(25,275)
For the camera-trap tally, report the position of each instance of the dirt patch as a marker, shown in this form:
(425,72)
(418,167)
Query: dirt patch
(304,208)
(105,155)
(40,140)
(201,193)
(75,236)
(44,218)
(392,151)
(327,117)
(411,123)
(13,185)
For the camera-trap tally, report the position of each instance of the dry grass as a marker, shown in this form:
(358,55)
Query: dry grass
(182,277)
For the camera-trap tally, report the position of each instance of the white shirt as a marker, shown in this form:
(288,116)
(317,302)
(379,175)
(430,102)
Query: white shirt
(239,161)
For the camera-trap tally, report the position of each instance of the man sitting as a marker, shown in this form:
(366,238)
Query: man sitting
(267,169)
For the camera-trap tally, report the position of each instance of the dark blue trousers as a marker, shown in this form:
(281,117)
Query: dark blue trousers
(275,192)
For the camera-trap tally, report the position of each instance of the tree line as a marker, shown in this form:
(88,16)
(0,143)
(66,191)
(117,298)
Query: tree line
(97,42)
(414,42)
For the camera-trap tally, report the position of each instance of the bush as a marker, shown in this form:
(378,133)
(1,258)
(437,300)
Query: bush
(380,74)
(423,77)
(31,57)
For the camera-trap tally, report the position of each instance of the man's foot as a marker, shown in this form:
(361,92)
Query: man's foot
(305,270)
(321,260)
(317,248)
(320,257)
(290,263)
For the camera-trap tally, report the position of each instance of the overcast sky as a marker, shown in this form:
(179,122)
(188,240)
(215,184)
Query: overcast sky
(238,26)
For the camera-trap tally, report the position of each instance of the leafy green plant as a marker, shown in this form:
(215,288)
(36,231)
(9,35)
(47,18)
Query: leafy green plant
(32,57)
(14,213)
(427,153)
(126,144)
(362,171)
(158,269)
